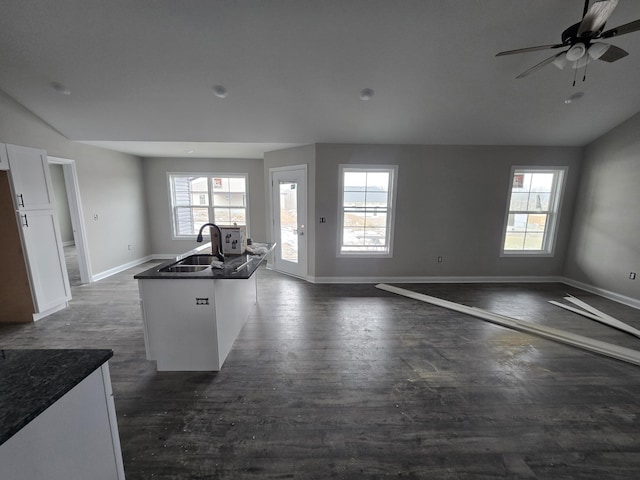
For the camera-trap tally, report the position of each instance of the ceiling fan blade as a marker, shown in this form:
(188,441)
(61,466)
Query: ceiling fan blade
(537,67)
(613,53)
(596,16)
(530,49)
(622,29)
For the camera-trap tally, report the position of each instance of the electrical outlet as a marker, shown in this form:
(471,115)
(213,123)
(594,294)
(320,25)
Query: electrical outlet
(95,217)
(202,301)
(632,276)
(129,247)
(323,219)
(440,259)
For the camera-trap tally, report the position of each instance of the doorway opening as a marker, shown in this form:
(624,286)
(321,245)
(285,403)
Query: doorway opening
(70,219)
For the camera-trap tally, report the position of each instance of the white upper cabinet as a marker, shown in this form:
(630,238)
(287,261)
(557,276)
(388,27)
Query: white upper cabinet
(4,160)
(31,178)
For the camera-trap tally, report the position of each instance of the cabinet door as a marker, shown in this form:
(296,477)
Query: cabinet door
(45,259)
(31,177)
(4,160)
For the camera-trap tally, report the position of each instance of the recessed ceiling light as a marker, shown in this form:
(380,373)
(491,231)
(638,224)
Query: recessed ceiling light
(574,97)
(191,150)
(60,88)
(366,94)
(220,92)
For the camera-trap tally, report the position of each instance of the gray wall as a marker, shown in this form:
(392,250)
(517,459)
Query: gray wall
(605,240)
(111,186)
(159,205)
(451,202)
(62,203)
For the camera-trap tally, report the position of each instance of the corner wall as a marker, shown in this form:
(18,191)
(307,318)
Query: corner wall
(111,186)
(605,238)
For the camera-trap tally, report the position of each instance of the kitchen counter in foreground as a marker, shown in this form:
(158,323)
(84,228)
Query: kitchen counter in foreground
(57,416)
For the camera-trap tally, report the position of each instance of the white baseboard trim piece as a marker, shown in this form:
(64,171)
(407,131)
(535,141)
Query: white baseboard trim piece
(603,317)
(46,313)
(561,336)
(121,268)
(616,297)
(519,279)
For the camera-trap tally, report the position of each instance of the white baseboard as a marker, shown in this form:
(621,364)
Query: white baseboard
(616,297)
(518,279)
(121,268)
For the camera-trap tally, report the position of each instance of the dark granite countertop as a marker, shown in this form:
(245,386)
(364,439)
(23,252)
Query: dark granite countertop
(235,267)
(32,380)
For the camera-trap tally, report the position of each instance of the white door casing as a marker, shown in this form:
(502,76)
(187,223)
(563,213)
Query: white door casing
(289,219)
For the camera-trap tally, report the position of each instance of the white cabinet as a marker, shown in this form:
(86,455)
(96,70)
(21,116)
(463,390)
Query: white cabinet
(42,244)
(75,438)
(191,324)
(4,160)
(31,178)
(45,259)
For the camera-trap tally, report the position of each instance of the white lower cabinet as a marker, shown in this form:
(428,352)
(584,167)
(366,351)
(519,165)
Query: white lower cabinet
(191,324)
(45,259)
(75,438)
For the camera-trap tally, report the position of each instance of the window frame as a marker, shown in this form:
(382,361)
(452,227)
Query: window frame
(553,213)
(391,206)
(210,207)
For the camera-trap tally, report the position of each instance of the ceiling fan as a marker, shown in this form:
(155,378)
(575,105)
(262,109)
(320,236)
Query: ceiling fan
(579,40)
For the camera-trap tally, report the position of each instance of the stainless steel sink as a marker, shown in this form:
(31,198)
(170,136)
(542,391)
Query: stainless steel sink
(176,268)
(190,264)
(200,259)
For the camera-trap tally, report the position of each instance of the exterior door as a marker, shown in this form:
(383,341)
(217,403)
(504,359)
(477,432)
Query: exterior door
(289,215)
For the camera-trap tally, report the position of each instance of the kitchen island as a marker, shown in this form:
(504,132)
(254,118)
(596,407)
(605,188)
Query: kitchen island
(57,416)
(192,317)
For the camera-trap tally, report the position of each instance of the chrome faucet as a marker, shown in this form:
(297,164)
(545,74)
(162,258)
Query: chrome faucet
(218,243)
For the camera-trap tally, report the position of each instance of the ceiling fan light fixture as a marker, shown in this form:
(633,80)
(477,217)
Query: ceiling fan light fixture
(597,49)
(581,62)
(576,52)
(560,61)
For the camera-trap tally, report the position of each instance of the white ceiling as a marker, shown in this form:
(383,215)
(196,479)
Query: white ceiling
(142,72)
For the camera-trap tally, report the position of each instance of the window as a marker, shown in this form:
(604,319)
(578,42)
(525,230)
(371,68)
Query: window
(199,199)
(367,210)
(532,212)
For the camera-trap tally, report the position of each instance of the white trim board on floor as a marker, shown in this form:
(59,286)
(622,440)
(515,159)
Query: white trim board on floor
(588,311)
(567,338)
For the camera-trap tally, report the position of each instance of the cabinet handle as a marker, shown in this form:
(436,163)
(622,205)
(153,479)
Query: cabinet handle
(25,223)
(21,201)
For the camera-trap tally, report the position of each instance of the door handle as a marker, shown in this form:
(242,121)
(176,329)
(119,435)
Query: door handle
(301,233)
(25,223)
(21,201)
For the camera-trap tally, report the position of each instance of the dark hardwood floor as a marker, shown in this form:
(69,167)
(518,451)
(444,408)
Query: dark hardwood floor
(350,382)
